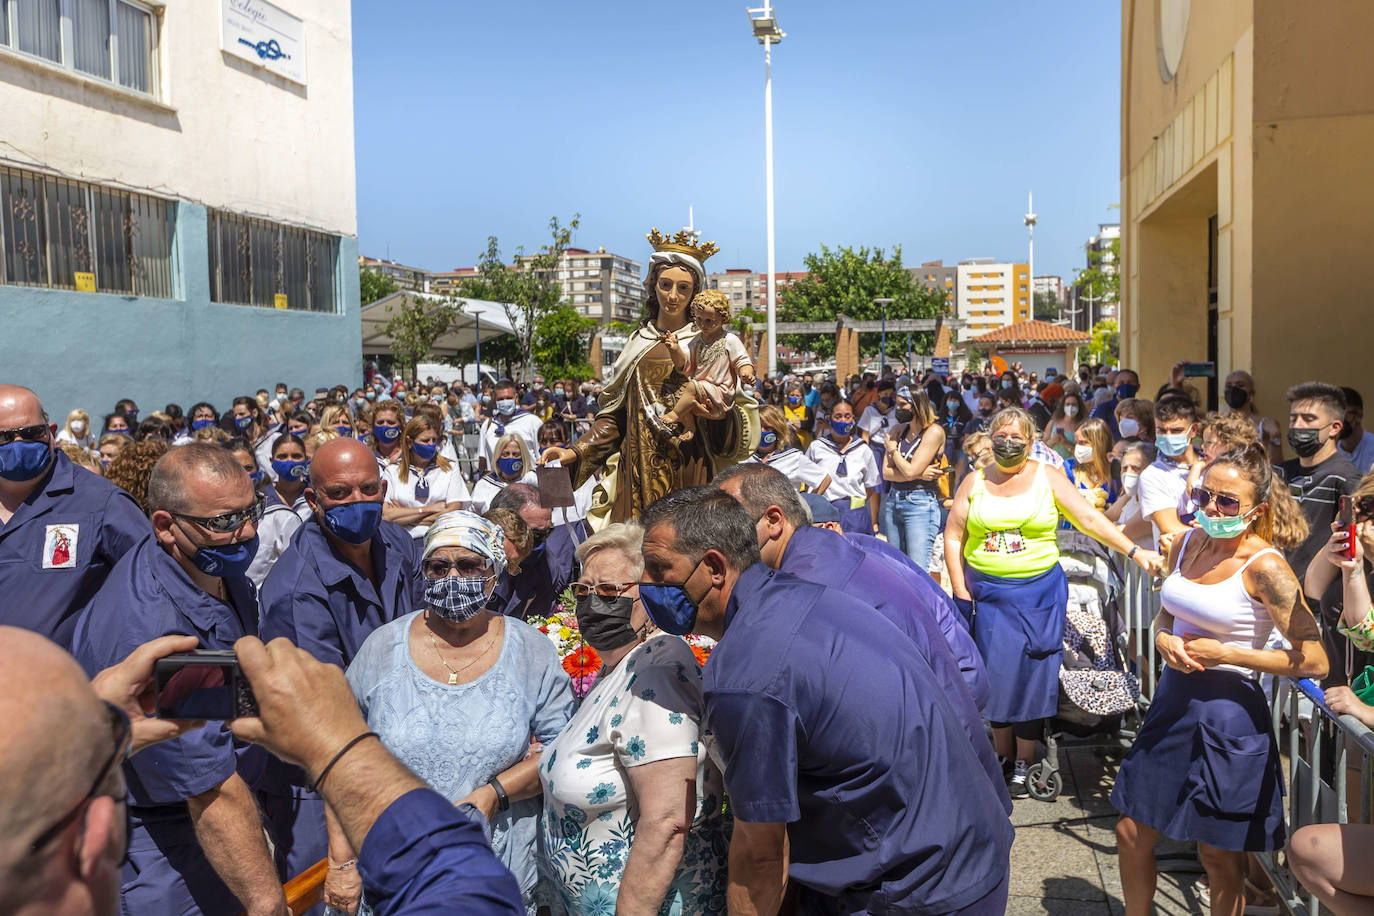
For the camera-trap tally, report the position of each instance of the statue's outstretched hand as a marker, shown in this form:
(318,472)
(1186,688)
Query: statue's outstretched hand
(554,453)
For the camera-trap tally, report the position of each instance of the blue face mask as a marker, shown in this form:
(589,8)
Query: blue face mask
(21,460)
(510,467)
(345,431)
(841,428)
(291,471)
(354,523)
(456,598)
(1172,444)
(300,433)
(1125,391)
(372,395)
(257,478)
(424,452)
(669,606)
(385,433)
(794,399)
(1223,528)
(132,415)
(231,560)
(767,439)
(201,424)
(242,424)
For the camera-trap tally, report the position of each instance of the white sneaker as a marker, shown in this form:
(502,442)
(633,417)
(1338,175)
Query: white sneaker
(1017,786)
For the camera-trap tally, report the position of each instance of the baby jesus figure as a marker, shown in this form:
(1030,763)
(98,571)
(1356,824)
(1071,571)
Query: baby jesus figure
(715,360)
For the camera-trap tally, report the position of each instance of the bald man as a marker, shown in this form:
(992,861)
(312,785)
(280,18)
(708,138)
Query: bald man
(196,844)
(345,573)
(62,527)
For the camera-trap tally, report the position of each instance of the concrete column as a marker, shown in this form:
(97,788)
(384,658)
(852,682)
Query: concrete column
(942,341)
(846,352)
(595,358)
(761,353)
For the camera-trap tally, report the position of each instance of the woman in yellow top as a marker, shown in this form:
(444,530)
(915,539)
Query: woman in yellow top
(1003,561)
(798,414)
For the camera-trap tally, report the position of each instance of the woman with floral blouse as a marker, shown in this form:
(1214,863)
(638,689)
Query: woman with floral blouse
(621,778)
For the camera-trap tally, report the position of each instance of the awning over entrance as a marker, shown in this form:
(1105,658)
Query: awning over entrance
(481,320)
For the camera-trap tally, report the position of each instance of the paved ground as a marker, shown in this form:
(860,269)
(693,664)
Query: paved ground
(1064,858)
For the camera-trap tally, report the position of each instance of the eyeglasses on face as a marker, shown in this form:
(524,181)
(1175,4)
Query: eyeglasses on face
(119,726)
(229,521)
(1013,441)
(603,589)
(540,535)
(438,568)
(1226,505)
(36,433)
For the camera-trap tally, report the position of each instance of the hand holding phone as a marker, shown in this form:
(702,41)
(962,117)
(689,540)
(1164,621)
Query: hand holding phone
(1345,517)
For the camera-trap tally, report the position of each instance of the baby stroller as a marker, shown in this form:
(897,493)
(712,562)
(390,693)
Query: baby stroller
(1095,689)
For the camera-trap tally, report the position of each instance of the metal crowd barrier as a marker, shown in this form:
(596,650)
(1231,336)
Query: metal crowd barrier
(1316,743)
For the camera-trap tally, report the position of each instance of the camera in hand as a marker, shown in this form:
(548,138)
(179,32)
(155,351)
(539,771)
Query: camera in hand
(204,684)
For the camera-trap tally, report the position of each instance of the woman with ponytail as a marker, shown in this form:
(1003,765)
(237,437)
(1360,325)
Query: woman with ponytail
(1205,765)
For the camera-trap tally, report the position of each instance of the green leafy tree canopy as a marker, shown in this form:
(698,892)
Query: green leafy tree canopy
(1102,278)
(845,281)
(374,286)
(416,323)
(562,341)
(1105,346)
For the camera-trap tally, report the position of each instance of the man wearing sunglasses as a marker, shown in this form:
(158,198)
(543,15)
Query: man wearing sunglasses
(551,565)
(345,573)
(196,844)
(61,527)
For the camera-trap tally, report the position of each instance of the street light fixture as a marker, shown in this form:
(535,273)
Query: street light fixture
(1030,266)
(884,303)
(764,25)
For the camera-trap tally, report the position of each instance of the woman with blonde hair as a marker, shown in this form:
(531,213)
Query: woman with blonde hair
(1090,466)
(422,485)
(77,430)
(337,419)
(1205,765)
(910,513)
(513,465)
(111,444)
(84,457)
(780,448)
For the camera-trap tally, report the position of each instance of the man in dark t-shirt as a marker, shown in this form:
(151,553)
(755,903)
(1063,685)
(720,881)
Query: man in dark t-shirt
(1317,478)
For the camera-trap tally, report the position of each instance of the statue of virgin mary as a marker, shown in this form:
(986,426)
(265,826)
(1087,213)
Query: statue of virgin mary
(627,441)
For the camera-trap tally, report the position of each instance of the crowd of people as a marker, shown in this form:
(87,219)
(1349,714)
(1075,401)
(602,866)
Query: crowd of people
(883,578)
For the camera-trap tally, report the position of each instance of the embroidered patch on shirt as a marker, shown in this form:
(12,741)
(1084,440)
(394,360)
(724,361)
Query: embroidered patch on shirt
(59,546)
(1009,542)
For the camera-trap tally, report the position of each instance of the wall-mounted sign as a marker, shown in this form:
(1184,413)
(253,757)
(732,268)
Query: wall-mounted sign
(85,282)
(266,35)
(279,300)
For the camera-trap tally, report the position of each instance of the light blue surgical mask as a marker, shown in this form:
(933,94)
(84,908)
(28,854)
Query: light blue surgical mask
(505,406)
(1223,527)
(1172,444)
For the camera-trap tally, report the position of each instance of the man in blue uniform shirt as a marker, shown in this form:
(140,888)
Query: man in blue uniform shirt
(847,767)
(551,566)
(345,573)
(197,841)
(791,545)
(62,528)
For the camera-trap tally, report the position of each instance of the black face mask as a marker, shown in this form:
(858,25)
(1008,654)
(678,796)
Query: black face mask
(1008,455)
(1306,442)
(905,414)
(1236,397)
(605,622)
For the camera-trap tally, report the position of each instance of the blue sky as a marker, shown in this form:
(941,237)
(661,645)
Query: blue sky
(919,123)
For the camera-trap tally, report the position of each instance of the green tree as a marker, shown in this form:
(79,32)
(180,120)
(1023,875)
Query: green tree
(527,288)
(1046,306)
(1102,279)
(1105,346)
(374,286)
(415,323)
(562,341)
(845,281)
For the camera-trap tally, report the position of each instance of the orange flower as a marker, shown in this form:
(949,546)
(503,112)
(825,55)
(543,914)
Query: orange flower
(582,661)
(702,654)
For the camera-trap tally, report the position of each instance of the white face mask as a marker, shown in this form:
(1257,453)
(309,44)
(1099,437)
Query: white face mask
(1129,479)
(79,427)
(1082,453)
(1070,410)
(1129,426)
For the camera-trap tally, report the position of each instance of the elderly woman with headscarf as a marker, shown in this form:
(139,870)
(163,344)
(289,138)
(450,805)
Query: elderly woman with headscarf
(460,695)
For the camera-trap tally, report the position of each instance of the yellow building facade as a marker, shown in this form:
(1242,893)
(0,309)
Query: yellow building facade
(1247,191)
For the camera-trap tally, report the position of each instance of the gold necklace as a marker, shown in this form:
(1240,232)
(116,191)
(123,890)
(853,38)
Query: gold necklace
(452,674)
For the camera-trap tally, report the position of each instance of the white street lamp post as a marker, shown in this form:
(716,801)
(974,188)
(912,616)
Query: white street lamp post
(1030,265)
(765,28)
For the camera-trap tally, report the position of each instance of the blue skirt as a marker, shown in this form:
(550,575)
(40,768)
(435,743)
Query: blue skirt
(1018,626)
(853,520)
(1205,766)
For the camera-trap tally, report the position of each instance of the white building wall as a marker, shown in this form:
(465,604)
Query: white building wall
(222,132)
(985,297)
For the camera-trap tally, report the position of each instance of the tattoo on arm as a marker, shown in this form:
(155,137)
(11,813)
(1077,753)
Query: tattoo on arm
(1278,588)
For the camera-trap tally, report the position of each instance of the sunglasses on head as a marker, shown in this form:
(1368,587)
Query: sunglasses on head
(1226,505)
(229,521)
(1364,507)
(35,433)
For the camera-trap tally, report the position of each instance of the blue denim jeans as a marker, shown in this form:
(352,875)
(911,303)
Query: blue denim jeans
(910,521)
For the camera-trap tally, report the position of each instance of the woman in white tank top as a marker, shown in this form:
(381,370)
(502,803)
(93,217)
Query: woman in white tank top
(1205,766)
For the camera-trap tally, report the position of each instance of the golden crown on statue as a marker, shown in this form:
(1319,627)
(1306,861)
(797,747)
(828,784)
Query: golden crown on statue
(682,243)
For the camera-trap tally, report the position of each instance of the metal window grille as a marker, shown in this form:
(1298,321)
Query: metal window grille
(254,261)
(52,229)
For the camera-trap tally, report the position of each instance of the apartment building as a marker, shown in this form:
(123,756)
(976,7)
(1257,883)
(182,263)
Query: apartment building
(991,294)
